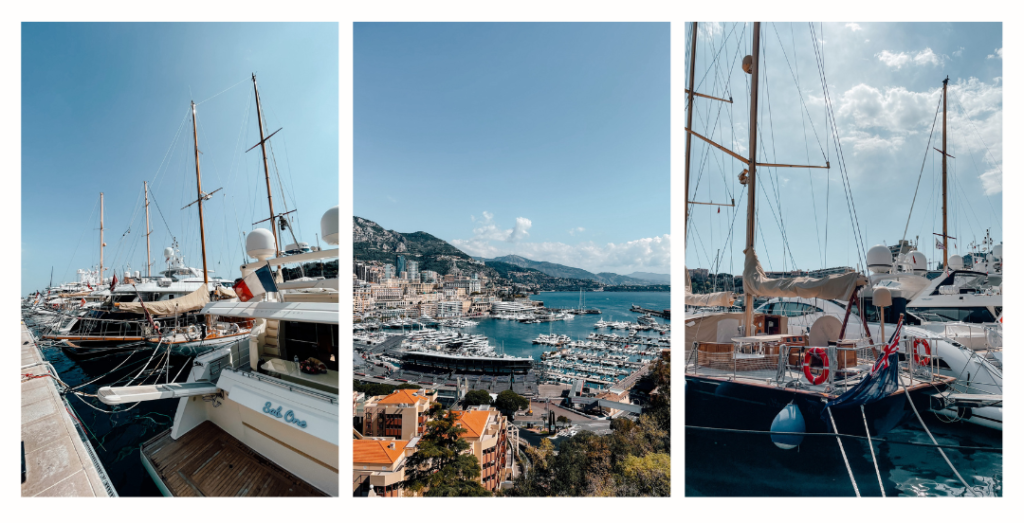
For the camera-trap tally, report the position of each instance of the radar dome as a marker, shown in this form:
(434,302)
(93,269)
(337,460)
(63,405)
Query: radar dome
(259,244)
(998,251)
(918,261)
(879,259)
(329,226)
(168,252)
(956,262)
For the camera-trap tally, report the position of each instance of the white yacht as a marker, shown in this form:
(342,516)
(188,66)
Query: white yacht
(257,417)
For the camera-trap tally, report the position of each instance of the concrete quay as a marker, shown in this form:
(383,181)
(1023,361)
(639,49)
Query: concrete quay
(57,458)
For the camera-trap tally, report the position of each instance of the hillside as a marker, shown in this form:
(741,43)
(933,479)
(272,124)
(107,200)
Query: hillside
(371,242)
(556,270)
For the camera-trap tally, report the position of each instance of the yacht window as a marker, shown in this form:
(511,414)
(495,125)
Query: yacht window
(316,340)
(964,314)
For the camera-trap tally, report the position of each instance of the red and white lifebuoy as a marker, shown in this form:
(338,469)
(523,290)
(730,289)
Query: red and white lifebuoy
(820,353)
(922,360)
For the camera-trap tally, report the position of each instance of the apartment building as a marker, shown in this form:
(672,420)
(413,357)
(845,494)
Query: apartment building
(379,465)
(486,431)
(401,414)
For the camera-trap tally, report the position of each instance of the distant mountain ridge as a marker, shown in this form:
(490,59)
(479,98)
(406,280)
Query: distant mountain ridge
(371,242)
(563,271)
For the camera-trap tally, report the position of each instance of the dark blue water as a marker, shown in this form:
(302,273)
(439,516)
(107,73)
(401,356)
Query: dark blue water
(729,464)
(116,437)
(517,338)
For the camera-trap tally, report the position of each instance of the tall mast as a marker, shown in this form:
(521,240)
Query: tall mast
(101,239)
(748,299)
(149,263)
(266,168)
(199,190)
(689,125)
(945,233)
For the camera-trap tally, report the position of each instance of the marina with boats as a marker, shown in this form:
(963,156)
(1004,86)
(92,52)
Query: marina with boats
(819,368)
(208,386)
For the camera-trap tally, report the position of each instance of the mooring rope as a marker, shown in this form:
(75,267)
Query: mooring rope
(871,446)
(843,451)
(950,463)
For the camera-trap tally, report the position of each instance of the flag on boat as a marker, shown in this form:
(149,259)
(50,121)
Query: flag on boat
(881,381)
(113,282)
(260,281)
(939,245)
(83,302)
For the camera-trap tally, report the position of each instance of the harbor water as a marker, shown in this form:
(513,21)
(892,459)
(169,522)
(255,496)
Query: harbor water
(743,464)
(117,436)
(516,339)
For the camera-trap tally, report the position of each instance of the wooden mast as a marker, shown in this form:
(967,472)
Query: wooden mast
(149,263)
(101,239)
(748,299)
(689,125)
(199,190)
(266,168)
(945,233)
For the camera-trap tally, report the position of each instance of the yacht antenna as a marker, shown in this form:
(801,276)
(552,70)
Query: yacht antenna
(149,263)
(101,239)
(748,299)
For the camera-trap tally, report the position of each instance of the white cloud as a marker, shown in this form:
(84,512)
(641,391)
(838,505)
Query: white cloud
(999,54)
(645,254)
(855,27)
(928,57)
(883,120)
(898,60)
(959,52)
(488,230)
(574,230)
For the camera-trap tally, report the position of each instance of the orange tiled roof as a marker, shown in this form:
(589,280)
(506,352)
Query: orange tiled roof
(403,397)
(377,451)
(474,421)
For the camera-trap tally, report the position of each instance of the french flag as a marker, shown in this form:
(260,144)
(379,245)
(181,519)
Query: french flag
(260,281)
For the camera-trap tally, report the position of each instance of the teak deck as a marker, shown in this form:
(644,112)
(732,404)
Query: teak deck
(207,461)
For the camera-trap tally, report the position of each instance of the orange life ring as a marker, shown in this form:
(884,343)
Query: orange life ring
(820,378)
(918,359)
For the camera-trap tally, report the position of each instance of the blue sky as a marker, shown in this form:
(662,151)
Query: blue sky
(102,106)
(546,140)
(884,80)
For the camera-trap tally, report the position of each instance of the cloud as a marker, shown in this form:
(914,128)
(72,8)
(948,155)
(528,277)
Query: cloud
(573,231)
(959,52)
(645,254)
(855,27)
(488,230)
(898,60)
(999,54)
(882,120)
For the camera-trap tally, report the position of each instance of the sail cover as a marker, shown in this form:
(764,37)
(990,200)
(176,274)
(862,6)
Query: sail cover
(831,287)
(714,299)
(190,302)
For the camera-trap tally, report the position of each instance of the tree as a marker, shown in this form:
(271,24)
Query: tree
(563,420)
(646,476)
(477,397)
(441,464)
(508,402)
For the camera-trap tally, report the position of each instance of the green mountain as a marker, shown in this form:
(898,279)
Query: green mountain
(371,242)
